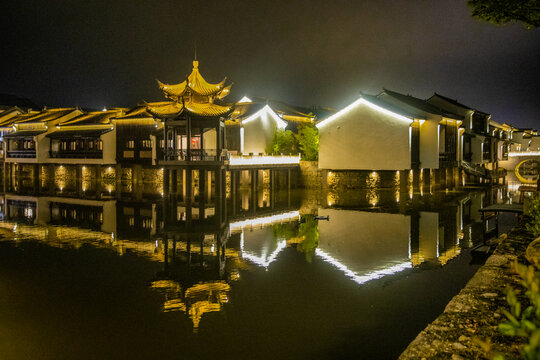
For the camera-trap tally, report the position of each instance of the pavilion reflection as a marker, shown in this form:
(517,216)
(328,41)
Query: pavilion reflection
(204,243)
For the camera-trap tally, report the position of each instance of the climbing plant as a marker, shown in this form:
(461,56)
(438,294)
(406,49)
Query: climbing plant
(533,223)
(308,142)
(283,142)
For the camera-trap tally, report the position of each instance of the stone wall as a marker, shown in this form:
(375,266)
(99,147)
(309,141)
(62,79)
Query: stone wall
(476,311)
(311,177)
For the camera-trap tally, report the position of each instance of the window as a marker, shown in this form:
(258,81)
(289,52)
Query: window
(100,145)
(130,144)
(162,143)
(147,144)
(147,223)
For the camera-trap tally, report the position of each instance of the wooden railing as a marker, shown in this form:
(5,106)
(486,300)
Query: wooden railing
(196,155)
(71,154)
(28,153)
(447,159)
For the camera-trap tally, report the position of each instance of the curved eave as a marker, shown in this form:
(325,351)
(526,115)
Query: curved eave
(208,109)
(169,110)
(198,85)
(174,89)
(223,93)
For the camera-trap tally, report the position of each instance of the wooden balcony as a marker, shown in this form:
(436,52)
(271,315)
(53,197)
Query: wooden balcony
(22,154)
(196,155)
(447,159)
(80,154)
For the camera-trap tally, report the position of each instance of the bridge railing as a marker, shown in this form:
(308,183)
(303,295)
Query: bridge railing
(244,160)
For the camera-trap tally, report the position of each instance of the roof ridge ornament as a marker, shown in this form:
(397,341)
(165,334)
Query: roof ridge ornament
(195,64)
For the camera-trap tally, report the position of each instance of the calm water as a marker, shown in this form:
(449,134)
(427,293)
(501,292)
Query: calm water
(234,277)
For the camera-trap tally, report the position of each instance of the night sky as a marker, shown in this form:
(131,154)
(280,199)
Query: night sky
(109,53)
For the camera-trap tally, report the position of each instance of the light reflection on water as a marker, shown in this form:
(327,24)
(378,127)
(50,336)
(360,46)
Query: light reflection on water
(206,250)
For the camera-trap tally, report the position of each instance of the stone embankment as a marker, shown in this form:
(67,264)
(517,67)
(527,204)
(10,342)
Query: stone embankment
(476,311)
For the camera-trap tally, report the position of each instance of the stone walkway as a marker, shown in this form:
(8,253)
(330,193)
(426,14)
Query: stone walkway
(476,311)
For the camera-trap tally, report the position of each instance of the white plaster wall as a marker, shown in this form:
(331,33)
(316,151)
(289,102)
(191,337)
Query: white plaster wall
(428,235)
(210,139)
(258,133)
(476,149)
(109,147)
(109,217)
(365,241)
(429,144)
(364,139)
(43,144)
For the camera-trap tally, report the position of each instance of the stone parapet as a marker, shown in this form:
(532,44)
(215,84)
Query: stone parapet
(477,310)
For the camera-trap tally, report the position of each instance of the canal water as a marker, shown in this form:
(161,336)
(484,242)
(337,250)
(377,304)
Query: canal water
(283,275)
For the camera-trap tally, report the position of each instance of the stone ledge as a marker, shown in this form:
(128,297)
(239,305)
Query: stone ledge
(476,311)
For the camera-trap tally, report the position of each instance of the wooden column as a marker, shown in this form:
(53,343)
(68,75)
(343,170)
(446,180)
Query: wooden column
(202,193)
(234,180)
(188,128)
(78,180)
(254,181)
(174,180)
(118,176)
(166,182)
(98,182)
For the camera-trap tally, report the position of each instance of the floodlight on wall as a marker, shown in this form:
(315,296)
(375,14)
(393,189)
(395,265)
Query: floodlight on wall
(266,110)
(361,279)
(363,101)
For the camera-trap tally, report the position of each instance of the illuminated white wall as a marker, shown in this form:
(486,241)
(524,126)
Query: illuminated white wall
(365,241)
(364,138)
(476,149)
(259,130)
(210,139)
(429,144)
(109,147)
(428,238)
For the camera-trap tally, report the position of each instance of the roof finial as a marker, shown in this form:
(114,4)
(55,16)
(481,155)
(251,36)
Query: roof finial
(195,61)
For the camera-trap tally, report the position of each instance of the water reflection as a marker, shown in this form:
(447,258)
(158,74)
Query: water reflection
(207,240)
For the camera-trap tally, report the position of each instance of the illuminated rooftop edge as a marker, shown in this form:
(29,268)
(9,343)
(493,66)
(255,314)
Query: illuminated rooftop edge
(264,160)
(365,102)
(523,153)
(267,220)
(361,279)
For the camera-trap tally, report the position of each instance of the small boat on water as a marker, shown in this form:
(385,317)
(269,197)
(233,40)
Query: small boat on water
(327,217)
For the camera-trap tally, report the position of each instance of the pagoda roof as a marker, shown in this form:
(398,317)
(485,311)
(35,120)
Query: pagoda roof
(173,109)
(195,83)
(93,118)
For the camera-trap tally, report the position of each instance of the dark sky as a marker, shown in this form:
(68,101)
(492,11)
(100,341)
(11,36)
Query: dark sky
(107,53)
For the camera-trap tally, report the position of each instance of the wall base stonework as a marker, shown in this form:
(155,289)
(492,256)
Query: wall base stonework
(311,177)
(477,310)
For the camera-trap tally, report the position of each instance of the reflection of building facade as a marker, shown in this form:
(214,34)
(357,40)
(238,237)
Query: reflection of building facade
(203,248)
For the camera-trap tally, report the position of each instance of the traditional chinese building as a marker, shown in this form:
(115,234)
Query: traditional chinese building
(193,120)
